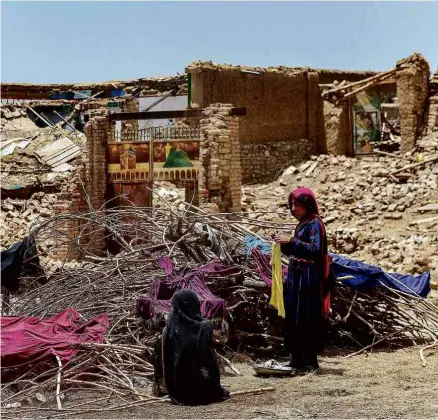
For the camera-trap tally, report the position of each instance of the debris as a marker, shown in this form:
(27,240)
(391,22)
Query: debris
(40,397)
(422,221)
(13,405)
(415,165)
(311,168)
(8,150)
(433,207)
(64,167)
(61,151)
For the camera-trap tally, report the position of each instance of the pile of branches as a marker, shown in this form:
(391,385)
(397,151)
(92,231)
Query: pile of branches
(120,247)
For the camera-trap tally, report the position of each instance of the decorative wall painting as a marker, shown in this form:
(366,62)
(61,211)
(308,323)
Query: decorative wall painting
(172,161)
(366,131)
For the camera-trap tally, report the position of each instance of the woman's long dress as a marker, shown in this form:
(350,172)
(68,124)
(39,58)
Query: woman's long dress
(303,290)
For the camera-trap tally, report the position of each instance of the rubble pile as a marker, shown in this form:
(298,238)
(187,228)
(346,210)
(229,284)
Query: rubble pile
(373,206)
(37,166)
(166,193)
(148,86)
(192,239)
(14,122)
(17,216)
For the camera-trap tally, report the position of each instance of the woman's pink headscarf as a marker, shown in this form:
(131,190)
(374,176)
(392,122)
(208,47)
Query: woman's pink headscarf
(303,192)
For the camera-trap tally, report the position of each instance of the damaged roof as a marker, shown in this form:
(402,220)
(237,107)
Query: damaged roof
(148,87)
(325,75)
(34,158)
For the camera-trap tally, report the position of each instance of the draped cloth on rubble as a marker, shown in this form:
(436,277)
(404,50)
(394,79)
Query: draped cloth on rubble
(370,276)
(158,299)
(252,242)
(27,339)
(366,276)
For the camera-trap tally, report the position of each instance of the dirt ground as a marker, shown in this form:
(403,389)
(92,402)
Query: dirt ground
(379,385)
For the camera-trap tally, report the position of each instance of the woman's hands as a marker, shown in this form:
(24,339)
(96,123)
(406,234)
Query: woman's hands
(280,238)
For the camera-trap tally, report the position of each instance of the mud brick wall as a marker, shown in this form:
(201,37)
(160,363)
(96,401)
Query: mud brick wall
(220,173)
(279,106)
(263,162)
(412,92)
(432,118)
(336,133)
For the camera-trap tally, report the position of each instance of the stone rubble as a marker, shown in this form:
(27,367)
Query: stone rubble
(368,215)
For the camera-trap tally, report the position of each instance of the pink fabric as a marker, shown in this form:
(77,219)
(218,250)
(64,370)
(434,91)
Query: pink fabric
(28,339)
(158,299)
(263,263)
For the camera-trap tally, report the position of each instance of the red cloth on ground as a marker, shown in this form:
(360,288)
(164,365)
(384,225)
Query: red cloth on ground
(26,339)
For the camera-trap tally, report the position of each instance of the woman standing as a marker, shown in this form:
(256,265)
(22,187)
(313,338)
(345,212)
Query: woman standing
(306,295)
(191,371)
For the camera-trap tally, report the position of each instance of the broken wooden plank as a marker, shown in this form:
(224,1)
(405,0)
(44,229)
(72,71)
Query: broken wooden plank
(415,165)
(61,151)
(381,152)
(55,147)
(40,117)
(64,157)
(311,168)
(304,166)
(360,82)
(428,207)
(423,221)
(360,89)
(65,121)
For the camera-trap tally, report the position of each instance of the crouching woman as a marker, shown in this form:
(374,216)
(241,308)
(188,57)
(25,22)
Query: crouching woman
(184,357)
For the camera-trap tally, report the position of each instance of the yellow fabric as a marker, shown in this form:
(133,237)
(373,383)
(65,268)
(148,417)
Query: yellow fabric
(277,282)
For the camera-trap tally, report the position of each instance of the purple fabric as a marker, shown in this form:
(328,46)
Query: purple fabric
(166,264)
(158,299)
(263,263)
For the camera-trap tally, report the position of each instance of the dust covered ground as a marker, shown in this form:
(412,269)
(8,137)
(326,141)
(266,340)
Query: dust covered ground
(379,385)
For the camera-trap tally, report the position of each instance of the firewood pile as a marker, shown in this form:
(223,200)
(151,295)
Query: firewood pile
(111,282)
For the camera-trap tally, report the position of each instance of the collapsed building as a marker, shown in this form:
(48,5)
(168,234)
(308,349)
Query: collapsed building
(212,130)
(83,164)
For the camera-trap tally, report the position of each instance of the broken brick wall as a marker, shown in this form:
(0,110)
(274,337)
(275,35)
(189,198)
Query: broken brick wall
(263,162)
(277,105)
(88,188)
(281,110)
(336,131)
(412,92)
(130,126)
(432,116)
(432,108)
(220,173)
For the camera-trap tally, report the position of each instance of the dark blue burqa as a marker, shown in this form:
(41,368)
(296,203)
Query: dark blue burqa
(304,326)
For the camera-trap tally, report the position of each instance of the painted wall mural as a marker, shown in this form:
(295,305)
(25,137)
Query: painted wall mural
(366,131)
(366,121)
(129,162)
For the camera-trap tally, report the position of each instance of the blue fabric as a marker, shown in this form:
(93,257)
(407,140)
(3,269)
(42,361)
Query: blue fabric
(252,242)
(365,276)
(369,277)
